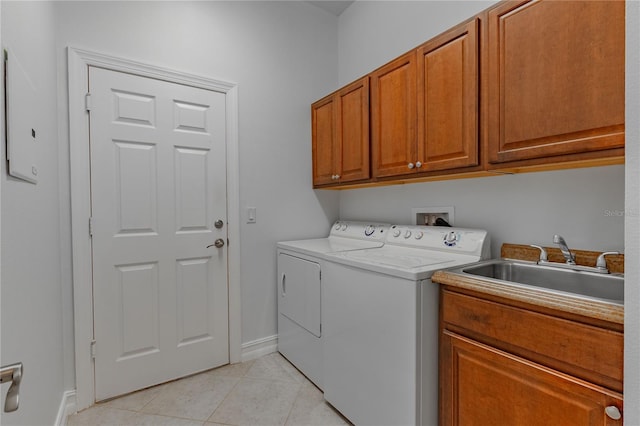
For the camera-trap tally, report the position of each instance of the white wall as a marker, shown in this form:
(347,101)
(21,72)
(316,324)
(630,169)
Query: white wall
(632,220)
(586,206)
(31,315)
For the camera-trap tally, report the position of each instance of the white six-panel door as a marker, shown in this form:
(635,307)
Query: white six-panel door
(158,185)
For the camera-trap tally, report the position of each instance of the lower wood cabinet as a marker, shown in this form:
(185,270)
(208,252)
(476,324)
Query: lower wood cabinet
(497,378)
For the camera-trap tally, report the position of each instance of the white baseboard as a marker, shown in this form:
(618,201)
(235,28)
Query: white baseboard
(259,347)
(67,407)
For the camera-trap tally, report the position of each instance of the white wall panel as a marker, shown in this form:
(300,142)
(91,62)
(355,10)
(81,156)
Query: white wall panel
(192,191)
(137,312)
(137,187)
(193,301)
(31,314)
(632,218)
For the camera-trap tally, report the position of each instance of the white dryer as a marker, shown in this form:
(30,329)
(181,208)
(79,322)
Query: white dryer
(381,323)
(300,283)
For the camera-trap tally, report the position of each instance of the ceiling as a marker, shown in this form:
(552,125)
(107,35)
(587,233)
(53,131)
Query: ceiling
(333,7)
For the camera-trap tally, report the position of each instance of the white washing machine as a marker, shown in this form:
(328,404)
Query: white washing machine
(300,284)
(381,323)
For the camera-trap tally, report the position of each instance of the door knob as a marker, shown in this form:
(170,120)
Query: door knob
(218,223)
(13,374)
(218,243)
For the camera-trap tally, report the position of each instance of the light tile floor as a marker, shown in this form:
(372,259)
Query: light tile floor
(264,392)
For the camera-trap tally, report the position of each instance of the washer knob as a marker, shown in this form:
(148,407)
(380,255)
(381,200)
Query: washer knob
(407,234)
(344,226)
(419,235)
(396,233)
(369,230)
(337,227)
(450,239)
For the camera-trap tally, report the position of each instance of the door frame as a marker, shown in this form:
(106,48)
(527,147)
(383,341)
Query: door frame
(79,61)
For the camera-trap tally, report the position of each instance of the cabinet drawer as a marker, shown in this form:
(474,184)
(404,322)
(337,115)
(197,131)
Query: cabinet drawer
(585,351)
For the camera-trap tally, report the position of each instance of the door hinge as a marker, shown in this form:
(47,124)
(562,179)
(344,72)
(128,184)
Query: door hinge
(87,102)
(91,226)
(93,349)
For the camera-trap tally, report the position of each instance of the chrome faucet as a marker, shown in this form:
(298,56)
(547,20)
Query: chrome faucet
(568,256)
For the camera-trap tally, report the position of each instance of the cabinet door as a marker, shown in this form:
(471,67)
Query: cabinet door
(323,141)
(393,117)
(555,74)
(448,99)
(352,131)
(481,385)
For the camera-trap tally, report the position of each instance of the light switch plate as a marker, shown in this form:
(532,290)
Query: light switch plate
(251,215)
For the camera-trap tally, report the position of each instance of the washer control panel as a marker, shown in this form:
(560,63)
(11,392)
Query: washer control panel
(461,240)
(360,230)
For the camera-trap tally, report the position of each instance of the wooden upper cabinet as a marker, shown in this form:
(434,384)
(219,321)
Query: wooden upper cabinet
(340,135)
(323,141)
(393,117)
(425,106)
(448,113)
(555,79)
(352,126)
(526,84)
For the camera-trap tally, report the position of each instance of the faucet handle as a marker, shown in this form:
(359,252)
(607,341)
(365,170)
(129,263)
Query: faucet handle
(543,252)
(601,263)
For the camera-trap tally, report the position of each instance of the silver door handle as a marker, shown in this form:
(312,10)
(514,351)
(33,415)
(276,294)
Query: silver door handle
(218,243)
(12,373)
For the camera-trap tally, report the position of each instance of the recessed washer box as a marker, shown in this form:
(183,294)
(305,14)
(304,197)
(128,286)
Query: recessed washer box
(428,215)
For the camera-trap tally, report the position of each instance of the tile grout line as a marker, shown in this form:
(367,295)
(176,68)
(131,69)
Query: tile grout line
(225,398)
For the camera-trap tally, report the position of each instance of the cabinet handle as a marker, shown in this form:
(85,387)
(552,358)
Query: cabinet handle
(411,165)
(418,164)
(613,412)
(337,177)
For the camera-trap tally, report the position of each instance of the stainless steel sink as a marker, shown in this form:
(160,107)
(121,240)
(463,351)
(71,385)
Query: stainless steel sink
(608,287)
